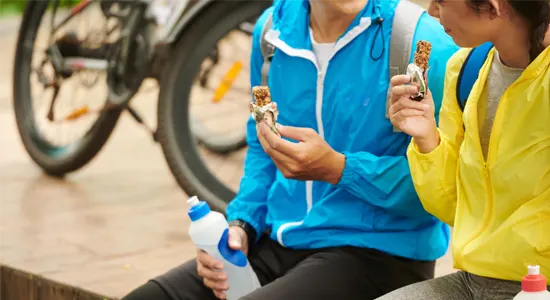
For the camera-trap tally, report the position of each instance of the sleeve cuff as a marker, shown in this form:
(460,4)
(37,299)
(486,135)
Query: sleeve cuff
(246,218)
(430,156)
(349,175)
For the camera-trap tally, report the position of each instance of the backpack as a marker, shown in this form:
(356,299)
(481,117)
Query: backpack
(407,15)
(470,72)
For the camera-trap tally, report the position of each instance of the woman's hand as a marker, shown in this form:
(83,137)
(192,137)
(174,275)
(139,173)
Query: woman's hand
(416,119)
(309,159)
(211,270)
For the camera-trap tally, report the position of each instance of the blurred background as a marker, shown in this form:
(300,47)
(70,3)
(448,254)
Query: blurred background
(111,114)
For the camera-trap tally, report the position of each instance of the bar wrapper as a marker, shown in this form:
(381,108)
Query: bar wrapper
(418,70)
(263,108)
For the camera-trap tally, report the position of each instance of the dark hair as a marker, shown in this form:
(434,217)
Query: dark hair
(536,12)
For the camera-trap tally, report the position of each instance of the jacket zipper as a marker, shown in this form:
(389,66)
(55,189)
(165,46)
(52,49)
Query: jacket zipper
(495,133)
(273,38)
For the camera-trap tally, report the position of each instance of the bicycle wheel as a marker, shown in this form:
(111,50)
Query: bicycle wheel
(225,143)
(53,156)
(218,144)
(175,128)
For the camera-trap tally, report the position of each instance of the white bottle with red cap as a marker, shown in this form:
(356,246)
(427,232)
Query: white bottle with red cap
(533,286)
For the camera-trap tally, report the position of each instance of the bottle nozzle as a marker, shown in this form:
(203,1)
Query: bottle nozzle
(193,201)
(533,270)
(197,209)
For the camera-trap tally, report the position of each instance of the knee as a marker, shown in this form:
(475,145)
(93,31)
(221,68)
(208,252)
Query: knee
(148,291)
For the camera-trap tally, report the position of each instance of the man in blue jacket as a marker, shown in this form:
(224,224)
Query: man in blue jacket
(329,211)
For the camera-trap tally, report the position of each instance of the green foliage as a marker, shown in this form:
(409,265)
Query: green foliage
(15,7)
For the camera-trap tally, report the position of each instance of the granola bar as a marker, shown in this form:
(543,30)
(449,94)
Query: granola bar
(263,108)
(418,69)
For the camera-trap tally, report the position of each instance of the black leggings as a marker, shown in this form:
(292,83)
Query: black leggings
(333,273)
(149,290)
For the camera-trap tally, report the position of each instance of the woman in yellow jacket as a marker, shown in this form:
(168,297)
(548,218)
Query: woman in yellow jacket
(486,171)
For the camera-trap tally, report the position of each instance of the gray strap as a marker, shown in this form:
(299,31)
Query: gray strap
(407,15)
(266,48)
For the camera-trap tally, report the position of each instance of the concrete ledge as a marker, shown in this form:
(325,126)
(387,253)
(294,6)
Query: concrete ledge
(17,284)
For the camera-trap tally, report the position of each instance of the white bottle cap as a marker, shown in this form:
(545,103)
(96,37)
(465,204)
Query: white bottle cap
(533,270)
(193,201)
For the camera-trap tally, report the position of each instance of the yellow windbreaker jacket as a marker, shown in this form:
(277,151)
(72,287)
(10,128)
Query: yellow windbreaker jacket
(499,208)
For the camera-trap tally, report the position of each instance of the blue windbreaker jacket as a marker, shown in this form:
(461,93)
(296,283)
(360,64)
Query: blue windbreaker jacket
(375,204)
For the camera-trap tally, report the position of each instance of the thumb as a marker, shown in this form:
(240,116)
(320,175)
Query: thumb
(295,133)
(235,241)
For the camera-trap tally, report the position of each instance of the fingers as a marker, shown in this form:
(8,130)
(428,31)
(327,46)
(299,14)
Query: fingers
(296,133)
(212,276)
(407,113)
(270,137)
(400,80)
(263,140)
(219,295)
(209,270)
(403,91)
(402,110)
(215,285)
(206,260)
(275,142)
(405,103)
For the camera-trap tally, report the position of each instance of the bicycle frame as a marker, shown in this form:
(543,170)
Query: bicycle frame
(183,12)
(173,19)
(69,64)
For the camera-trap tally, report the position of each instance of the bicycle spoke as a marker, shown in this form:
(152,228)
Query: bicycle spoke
(52,20)
(76,10)
(51,115)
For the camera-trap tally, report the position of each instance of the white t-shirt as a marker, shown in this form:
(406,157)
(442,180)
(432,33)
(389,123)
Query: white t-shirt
(499,79)
(322,52)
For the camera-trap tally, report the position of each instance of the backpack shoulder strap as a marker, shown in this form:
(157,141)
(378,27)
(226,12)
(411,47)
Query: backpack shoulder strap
(266,48)
(406,17)
(470,72)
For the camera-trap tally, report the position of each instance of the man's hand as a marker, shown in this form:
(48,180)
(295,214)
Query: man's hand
(211,270)
(309,159)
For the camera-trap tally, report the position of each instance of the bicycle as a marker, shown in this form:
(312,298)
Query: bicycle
(130,48)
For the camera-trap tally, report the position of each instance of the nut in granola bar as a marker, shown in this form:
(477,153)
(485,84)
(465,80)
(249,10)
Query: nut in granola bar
(261,95)
(422,54)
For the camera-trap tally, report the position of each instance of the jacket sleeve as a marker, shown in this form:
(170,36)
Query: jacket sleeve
(250,204)
(385,181)
(435,173)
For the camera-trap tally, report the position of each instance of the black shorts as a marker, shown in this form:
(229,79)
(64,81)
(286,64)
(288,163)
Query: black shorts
(334,273)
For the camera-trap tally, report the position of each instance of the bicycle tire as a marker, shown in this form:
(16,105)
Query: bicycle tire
(174,129)
(218,144)
(53,160)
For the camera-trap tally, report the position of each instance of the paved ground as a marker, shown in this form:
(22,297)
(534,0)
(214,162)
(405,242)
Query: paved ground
(106,228)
